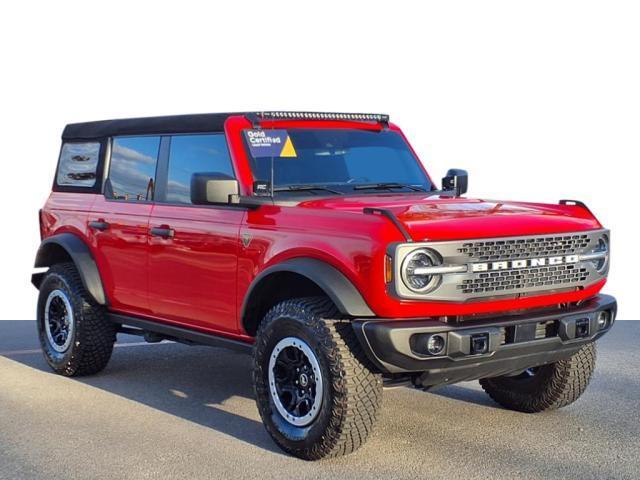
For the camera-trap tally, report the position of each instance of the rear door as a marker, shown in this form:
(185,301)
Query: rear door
(119,222)
(193,249)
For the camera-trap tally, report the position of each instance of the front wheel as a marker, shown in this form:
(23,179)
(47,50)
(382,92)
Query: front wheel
(316,392)
(546,387)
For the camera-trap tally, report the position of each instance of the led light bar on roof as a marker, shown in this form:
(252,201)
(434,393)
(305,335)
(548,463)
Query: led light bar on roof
(358,117)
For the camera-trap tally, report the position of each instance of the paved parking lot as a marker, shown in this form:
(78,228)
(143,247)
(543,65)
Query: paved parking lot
(173,411)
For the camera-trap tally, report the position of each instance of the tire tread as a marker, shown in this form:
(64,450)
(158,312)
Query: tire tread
(357,388)
(568,380)
(95,335)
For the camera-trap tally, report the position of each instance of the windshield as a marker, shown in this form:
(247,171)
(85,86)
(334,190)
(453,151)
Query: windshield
(343,160)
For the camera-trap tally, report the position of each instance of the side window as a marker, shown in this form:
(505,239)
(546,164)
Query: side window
(78,164)
(191,154)
(132,169)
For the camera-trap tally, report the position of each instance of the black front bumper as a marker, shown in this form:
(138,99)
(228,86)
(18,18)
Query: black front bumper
(482,348)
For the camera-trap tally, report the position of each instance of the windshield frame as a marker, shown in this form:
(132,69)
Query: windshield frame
(345,188)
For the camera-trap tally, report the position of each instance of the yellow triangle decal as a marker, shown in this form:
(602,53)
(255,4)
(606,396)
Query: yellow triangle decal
(288,150)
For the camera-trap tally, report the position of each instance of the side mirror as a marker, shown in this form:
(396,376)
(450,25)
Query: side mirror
(207,188)
(456,180)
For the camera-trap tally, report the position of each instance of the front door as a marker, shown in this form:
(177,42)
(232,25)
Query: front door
(193,249)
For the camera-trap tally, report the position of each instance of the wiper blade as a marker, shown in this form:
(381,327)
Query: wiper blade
(387,186)
(306,188)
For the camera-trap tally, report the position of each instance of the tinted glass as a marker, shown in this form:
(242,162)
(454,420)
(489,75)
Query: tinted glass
(133,168)
(78,164)
(343,159)
(191,154)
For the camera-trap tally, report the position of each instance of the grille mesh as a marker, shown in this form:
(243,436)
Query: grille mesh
(556,276)
(525,248)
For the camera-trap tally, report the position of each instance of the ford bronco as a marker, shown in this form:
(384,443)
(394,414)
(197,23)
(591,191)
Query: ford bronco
(318,243)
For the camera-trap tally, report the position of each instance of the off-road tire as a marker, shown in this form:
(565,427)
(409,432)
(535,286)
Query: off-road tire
(352,393)
(553,386)
(93,335)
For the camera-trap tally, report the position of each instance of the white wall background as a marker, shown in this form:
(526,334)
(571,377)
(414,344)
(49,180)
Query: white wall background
(538,100)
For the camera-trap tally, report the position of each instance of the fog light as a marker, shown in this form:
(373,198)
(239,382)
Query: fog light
(436,344)
(604,318)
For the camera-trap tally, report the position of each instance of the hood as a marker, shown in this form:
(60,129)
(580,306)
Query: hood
(444,218)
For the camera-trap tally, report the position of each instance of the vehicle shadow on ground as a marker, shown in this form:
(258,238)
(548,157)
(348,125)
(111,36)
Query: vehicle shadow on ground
(466,394)
(209,386)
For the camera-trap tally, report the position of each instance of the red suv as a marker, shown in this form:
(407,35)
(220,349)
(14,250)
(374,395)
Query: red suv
(318,242)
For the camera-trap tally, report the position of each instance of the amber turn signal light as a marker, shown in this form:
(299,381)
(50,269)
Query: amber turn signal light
(388,269)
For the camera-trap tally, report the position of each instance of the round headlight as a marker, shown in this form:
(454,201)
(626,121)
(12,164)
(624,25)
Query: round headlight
(602,248)
(410,270)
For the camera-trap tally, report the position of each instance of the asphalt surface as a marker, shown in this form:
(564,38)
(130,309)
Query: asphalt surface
(173,411)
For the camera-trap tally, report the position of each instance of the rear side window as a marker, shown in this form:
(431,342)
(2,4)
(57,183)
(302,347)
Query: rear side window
(78,165)
(191,154)
(132,169)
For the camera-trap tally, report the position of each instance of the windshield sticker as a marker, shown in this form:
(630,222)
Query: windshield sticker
(270,143)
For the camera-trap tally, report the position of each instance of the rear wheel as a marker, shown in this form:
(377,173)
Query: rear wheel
(74,334)
(315,390)
(546,387)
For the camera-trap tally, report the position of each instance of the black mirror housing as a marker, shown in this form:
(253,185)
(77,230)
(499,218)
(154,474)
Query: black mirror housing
(457,180)
(212,188)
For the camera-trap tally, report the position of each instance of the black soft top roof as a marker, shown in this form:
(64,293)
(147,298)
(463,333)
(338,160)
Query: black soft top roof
(204,122)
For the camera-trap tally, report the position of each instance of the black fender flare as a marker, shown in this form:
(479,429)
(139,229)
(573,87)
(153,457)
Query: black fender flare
(338,288)
(81,256)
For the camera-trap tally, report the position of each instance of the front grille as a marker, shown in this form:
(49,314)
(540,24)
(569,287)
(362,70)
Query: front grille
(525,248)
(505,281)
(509,266)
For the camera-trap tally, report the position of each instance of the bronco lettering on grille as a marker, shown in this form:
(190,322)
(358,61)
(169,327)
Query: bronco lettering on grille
(524,263)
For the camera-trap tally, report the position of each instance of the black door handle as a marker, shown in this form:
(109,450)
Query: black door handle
(99,225)
(164,232)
